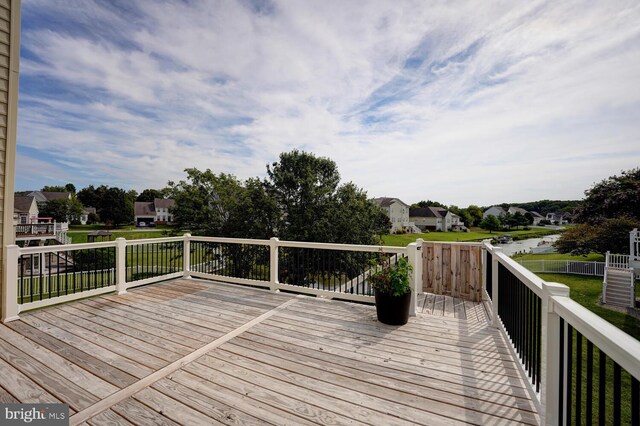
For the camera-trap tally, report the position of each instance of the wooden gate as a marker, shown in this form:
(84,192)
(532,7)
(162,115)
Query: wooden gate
(452,269)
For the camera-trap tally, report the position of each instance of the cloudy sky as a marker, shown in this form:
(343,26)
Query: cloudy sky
(460,102)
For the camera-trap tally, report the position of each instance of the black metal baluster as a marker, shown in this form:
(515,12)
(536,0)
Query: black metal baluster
(635,401)
(602,389)
(562,390)
(589,397)
(617,397)
(578,378)
(569,372)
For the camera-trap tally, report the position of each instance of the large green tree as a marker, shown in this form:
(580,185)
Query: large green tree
(490,223)
(62,210)
(314,206)
(616,196)
(221,205)
(116,207)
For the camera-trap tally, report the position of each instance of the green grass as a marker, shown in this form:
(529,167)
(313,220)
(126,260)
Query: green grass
(593,257)
(587,291)
(81,237)
(476,234)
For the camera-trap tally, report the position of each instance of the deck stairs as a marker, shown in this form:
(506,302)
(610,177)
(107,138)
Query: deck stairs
(620,273)
(619,287)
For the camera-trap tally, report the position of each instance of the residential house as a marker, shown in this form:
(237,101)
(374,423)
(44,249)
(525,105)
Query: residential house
(496,211)
(25,209)
(513,210)
(84,217)
(426,218)
(537,217)
(559,218)
(156,212)
(436,219)
(398,213)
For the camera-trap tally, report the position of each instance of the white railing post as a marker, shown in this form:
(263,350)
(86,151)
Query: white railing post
(495,321)
(550,351)
(604,277)
(484,295)
(186,256)
(121,265)
(273,264)
(414,254)
(632,289)
(10,291)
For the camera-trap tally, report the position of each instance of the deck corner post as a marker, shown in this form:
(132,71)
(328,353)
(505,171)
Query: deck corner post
(10,307)
(550,350)
(495,286)
(414,254)
(121,266)
(186,256)
(273,264)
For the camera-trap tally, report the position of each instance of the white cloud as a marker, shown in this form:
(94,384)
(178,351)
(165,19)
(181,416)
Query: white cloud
(465,104)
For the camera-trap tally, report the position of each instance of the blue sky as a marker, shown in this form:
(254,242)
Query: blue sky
(462,102)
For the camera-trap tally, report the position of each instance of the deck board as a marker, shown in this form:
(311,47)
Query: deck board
(309,361)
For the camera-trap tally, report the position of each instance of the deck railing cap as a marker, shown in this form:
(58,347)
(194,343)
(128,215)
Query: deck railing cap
(555,289)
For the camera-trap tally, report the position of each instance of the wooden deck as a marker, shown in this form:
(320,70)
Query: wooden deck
(195,352)
(453,307)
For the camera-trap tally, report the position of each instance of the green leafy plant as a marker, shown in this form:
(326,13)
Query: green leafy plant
(393,278)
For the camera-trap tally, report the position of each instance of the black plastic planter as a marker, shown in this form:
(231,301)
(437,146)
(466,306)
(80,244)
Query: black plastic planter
(393,310)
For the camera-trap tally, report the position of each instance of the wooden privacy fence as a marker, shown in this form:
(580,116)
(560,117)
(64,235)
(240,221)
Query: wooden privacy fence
(452,269)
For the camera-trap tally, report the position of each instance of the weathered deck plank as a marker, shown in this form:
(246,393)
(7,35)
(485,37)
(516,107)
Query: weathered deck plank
(310,361)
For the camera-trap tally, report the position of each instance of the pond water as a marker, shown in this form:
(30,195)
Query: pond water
(525,246)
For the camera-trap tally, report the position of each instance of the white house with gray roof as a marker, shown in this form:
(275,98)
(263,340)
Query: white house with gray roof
(398,213)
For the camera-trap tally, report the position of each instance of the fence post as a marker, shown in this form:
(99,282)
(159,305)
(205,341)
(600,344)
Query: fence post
(273,264)
(414,254)
(495,321)
(186,256)
(121,265)
(484,293)
(10,290)
(550,351)
(604,278)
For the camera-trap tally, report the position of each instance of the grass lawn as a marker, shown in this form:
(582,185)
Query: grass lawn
(587,291)
(593,257)
(97,227)
(476,234)
(81,237)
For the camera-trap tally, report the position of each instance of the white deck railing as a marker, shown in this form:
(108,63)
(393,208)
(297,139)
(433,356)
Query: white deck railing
(540,320)
(43,276)
(544,326)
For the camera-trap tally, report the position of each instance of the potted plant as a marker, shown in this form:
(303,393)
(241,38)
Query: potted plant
(393,292)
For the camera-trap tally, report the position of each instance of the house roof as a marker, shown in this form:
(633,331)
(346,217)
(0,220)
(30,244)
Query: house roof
(164,203)
(22,204)
(425,212)
(496,208)
(144,208)
(536,214)
(89,210)
(56,195)
(514,210)
(387,201)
